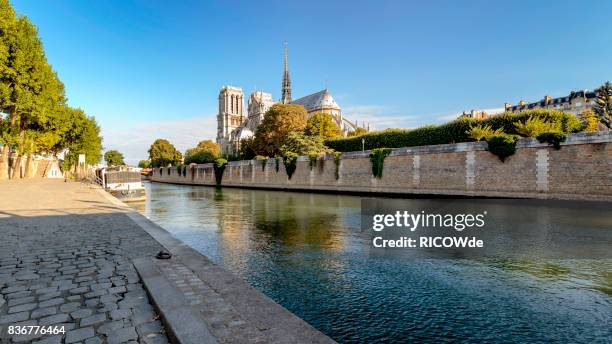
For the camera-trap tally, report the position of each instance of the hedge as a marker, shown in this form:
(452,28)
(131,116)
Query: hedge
(452,132)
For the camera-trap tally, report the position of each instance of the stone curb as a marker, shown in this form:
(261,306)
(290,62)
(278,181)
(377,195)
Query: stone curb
(182,322)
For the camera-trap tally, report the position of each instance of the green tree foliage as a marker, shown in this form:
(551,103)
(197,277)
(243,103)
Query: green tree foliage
(32,97)
(323,125)
(278,122)
(162,154)
(552,137)
(603,104)
(144,164)
(83,138)
(480,132)
(205,151)
(453,132)
(535,126)
(247,150)
(503,145)
(301,144)
(113,158)
(290,162)
(357,132)
(210,146)
(589,120)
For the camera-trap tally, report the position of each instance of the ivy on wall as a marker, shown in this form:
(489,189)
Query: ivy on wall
(337,157)
(290,161)
(377,158)
(503,145)
(219,167)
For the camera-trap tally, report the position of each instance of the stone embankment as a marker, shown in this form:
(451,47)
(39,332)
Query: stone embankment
(580,170)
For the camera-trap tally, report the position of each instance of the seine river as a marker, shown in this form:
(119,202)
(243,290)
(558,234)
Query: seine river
(307,252)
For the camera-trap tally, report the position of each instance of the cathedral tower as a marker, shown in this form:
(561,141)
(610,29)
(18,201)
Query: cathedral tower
(231,113)
(286,93)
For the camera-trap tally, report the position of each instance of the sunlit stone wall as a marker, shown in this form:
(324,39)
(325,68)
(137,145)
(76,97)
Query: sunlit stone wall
(581,169)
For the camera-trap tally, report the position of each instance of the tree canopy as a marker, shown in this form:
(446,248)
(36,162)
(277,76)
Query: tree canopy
(323,125)
(299,143)
(37,118)
(205,151)
(278,122)
(113,158)
(162,153)
(603,104)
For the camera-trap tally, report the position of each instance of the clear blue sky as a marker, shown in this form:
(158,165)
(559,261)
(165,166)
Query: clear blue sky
(149,69)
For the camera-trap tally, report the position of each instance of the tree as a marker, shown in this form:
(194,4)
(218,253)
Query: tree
(603,104)
(246,151)
(113,158)
(590,120)
(301,144)
(205,151)
(278,122)
(210,146)
(83,138)
(162,153)
(323,125)
(144,163)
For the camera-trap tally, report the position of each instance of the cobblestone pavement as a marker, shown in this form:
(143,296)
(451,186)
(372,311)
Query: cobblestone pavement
(65,260)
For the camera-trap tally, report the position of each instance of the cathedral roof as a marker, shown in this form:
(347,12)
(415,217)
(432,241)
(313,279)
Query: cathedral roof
(319,100)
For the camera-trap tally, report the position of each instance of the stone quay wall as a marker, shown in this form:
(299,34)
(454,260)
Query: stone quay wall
(581,169)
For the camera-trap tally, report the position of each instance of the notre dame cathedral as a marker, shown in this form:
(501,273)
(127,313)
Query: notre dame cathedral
(234,125)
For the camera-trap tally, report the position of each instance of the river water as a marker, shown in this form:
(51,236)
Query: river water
(307,252)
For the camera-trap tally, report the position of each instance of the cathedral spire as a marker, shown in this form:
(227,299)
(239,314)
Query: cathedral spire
(286,92)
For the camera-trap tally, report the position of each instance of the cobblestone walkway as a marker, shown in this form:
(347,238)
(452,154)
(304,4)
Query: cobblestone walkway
(65,260)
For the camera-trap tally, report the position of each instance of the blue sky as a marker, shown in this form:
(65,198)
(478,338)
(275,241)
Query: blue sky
(147,69)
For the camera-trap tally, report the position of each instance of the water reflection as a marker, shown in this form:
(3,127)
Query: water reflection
(307,252)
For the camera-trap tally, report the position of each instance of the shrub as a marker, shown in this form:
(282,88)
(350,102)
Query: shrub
(455,131)
(312,160)
(503,145)
(263,160)
(377,157)
(590,121)
(552,137)
(337,157)
(480,132)
(219,167)
(277,162)
(534,126)
(290,161)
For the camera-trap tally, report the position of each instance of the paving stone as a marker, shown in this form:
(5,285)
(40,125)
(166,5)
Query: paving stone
(122,335)
(92,302)
(18,294)
(54,319)
(79,335)
(81,313)
(13,318)
(94,319)
(14,289)
(120,314)
(70,307)
(20,301)
(109,327)
(94,340)
(51,302)
(22,308)
(148,328)
(74,298)
(43,312)
(117,290)
(49,296)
